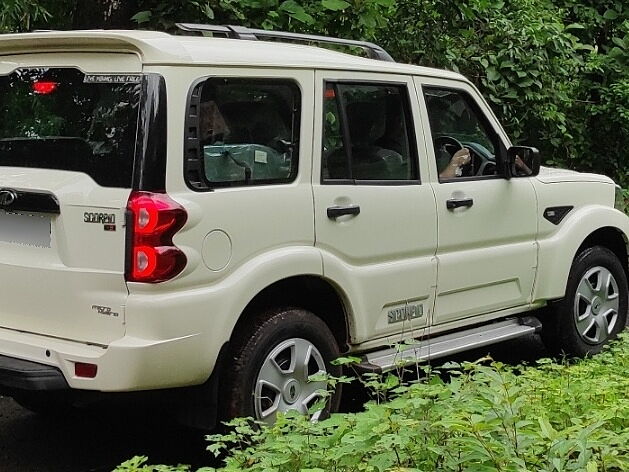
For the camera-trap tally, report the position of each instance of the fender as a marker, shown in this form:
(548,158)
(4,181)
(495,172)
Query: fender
(557,252)
(210,312)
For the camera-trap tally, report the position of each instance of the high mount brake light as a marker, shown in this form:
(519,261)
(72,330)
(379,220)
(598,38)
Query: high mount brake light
(153,220)
(44,87)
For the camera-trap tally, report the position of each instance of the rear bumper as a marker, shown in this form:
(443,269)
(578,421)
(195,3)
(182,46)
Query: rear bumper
(26,375)
(35,362)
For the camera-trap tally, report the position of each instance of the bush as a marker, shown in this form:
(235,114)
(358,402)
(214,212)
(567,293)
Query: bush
(554,416)
(556,72)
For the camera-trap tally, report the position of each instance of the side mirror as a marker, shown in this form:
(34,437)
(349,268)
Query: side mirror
(523,161)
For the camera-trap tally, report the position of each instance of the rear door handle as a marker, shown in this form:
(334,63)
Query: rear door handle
(459,202)
(336,211)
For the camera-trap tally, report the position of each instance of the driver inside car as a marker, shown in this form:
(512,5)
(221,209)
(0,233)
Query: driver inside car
(454,168)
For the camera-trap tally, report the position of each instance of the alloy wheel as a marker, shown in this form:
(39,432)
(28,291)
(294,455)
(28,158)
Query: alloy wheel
(596,305)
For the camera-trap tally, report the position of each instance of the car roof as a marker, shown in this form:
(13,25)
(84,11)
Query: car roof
(157,48)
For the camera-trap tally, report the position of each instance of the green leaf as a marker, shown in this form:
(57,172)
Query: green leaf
(347,360)
(591,467)
(492,74)
(610,15)
(335,5)
(290,6)
(296,11)
(208,12)
(142,17)
(547,430)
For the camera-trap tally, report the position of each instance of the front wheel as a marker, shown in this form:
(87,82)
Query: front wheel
(594,309)
(272,361)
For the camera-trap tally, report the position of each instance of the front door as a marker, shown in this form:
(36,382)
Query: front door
(375,218)
(487,254)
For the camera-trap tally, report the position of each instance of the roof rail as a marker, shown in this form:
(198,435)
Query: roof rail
(240,32)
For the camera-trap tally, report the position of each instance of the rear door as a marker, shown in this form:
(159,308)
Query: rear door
(67,147)
(375,219)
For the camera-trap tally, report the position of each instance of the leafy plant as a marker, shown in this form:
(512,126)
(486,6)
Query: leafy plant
(21,14)
(565,416)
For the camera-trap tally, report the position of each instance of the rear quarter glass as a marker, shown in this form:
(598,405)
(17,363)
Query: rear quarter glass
(62,119)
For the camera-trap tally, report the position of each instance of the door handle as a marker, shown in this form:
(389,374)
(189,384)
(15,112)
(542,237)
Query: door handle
(459,202)
(336,211)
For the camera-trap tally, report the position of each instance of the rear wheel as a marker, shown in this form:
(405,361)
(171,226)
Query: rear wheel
(594,309)
(272,362)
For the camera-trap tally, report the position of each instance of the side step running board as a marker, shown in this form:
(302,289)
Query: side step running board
(448,344)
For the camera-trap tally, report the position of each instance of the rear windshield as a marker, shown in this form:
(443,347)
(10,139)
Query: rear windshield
(60,118)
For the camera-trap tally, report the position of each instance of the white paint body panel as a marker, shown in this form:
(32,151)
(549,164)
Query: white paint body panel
(52,290)
(558,245)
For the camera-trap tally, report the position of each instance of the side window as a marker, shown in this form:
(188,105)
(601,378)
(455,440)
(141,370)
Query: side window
(246,131)
(367,134)
(464,142)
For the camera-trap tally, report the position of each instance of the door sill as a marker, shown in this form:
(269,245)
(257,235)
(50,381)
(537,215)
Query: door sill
(448,344)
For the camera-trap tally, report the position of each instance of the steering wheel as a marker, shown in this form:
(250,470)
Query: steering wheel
(448,142)
(451,146)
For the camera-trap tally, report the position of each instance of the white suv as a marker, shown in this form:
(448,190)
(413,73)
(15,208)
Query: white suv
(230,214)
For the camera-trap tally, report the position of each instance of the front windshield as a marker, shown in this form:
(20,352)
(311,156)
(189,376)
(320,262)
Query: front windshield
(60,118)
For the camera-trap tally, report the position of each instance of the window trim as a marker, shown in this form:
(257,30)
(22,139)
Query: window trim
(193,171)
(410,129)
(474,105)
(149,167)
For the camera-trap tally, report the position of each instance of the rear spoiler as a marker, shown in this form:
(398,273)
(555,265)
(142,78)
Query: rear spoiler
(150,46)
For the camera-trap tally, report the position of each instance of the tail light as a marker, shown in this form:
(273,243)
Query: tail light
(152,221)
(44,87)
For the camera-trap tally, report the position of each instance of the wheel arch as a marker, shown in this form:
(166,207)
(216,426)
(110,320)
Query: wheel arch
(611,238)
(586,228)
(310,292)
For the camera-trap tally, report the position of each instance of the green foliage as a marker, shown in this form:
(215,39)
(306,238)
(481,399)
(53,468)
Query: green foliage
(21,14)
(556,72)
(551,417)
(351,18)
(622,200)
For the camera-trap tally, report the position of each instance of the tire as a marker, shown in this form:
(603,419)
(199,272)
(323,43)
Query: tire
(264,376)
(594,308)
